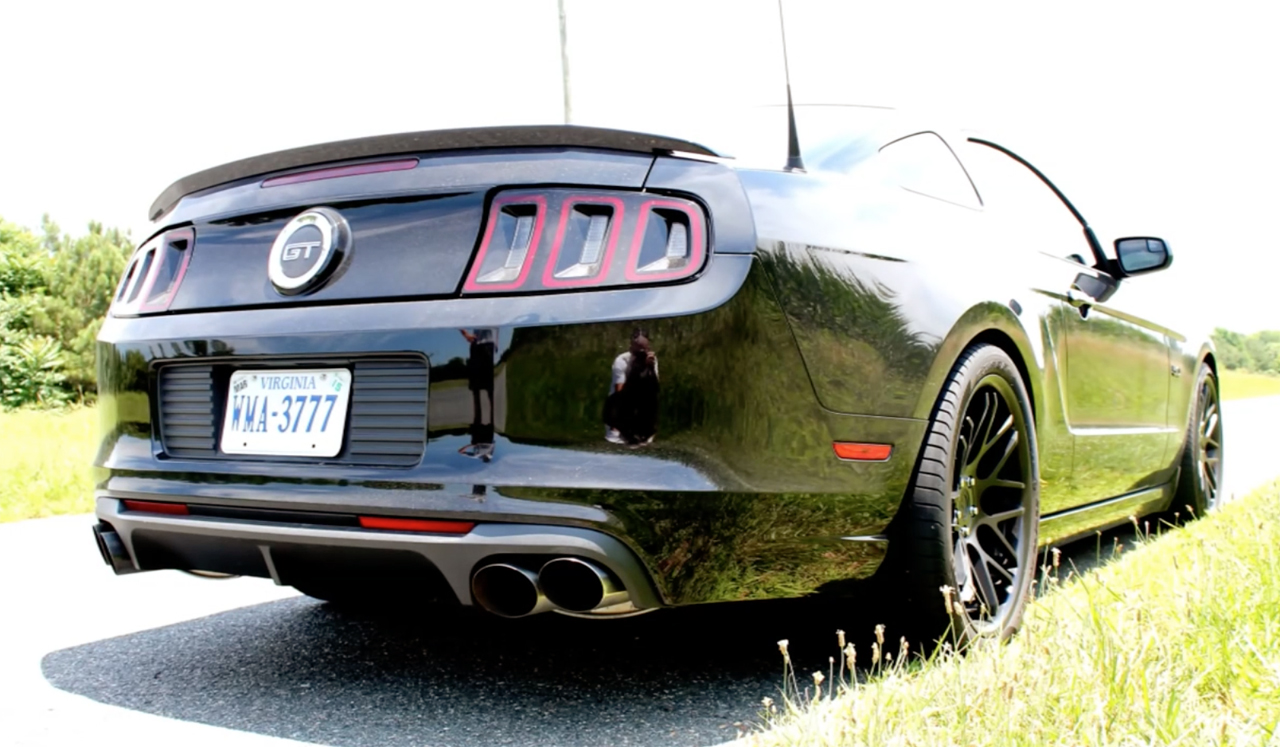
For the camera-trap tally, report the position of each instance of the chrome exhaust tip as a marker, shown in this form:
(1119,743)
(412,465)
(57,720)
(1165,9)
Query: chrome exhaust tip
(508,591)
(578,585)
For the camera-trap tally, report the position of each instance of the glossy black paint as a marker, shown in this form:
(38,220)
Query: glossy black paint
(394,241)
(741,478)
(830,309)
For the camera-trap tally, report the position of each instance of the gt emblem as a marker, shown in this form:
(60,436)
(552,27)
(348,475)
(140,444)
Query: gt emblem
(298,249)
(307,249)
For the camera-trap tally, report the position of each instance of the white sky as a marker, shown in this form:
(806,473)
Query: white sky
(1156,118)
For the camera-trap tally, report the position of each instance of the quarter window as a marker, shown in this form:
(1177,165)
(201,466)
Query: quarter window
(923,163)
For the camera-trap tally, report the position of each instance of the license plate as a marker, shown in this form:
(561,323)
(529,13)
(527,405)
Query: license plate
(291,412)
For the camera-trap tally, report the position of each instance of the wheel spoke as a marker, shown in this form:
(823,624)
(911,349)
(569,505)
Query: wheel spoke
(987,560)
(1004,458)
(965,588)
(966,447)
(996,518)
(997,482)
(1005,541)
(1210,422)
(986,588)
(968,442)
(1004,428)
(983,428)
(962,562)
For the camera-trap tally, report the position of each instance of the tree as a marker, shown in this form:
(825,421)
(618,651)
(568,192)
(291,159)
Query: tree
(30,364)
(83,274)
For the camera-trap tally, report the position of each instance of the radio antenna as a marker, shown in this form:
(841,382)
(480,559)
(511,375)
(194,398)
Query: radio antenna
(794,163)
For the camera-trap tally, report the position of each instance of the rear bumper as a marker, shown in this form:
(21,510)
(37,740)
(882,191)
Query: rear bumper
(738,496)
(290,553)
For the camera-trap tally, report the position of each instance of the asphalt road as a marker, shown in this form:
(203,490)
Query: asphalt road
(164,658)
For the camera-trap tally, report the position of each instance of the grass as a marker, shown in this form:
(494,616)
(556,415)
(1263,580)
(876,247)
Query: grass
(45,462)
(1245,384)
(1176,642)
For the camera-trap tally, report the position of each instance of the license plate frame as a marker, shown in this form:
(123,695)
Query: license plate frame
(286,412)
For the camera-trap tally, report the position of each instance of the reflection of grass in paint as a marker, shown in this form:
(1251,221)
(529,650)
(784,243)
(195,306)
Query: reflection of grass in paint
(735,399)
(858,344)
(1117,378)
(706,546)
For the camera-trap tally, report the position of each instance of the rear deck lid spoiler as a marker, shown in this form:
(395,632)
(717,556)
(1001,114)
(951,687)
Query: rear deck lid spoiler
(531,136)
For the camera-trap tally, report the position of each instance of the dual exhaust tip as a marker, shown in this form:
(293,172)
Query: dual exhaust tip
(569,584)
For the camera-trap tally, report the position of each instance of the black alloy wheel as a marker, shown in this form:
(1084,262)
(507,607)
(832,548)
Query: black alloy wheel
(990,470)
(970,521)
(1200,477)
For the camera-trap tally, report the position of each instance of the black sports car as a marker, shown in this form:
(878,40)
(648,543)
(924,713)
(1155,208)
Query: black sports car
(602,372)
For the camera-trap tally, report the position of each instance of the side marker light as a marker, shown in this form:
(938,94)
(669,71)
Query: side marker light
(857,452)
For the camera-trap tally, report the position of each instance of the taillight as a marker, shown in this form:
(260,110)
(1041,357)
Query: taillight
(600,239)
(668,242)
(153,275)
(511,239)
(585,240)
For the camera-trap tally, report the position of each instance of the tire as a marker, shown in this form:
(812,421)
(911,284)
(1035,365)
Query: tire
(970,519)
(1200,473)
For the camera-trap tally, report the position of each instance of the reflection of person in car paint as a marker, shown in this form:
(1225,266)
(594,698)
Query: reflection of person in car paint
(480,361)
(631,411)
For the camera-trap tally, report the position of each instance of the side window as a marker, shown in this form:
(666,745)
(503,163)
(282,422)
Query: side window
(1025,205)
(923,163)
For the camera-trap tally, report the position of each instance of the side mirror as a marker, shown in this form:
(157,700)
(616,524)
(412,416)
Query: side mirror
(1135,256)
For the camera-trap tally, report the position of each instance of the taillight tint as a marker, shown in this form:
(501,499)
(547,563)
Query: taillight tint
(153,276)
(599,239)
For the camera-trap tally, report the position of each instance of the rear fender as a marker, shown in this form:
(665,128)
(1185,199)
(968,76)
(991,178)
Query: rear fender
(997,324)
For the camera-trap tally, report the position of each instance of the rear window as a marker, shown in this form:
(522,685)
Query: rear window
(924,164)
(832,138)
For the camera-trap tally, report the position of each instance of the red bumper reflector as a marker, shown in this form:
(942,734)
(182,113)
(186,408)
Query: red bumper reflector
(335,172)
(863,452)
(435,526)
(156,507)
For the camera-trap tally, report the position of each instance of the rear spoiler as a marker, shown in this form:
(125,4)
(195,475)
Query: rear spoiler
(530,136)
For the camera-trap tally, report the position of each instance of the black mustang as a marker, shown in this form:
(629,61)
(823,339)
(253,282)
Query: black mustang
(601,372)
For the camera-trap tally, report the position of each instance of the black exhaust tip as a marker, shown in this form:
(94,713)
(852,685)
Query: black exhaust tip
(112,549)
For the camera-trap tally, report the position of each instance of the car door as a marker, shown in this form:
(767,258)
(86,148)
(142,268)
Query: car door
(1113,365)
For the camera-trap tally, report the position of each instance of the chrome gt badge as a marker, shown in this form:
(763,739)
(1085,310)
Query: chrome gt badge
(307,249)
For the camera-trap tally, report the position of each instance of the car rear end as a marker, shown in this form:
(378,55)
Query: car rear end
(534,368)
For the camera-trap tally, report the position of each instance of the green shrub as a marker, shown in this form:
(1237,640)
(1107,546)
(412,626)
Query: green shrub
(31,373)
